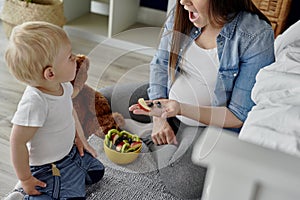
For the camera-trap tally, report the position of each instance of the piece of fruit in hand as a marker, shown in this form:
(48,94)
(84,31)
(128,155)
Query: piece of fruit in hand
(143,105)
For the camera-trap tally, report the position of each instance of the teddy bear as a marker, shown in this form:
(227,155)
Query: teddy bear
(93,109)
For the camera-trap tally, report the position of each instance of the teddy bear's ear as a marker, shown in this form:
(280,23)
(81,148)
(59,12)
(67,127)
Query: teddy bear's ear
(80,58)
(48,73)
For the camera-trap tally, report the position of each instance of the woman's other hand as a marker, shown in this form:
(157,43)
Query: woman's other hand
(162,133)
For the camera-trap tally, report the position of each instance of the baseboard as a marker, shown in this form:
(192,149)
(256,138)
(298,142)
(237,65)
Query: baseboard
(151,16)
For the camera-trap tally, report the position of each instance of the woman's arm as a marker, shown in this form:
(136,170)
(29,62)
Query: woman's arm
(217,116)
(20,135)
(158,80)
(259,52)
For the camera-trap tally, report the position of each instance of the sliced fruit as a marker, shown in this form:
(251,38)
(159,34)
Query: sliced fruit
(125,147)
(119,146)
(135,145)
(114,138)
(143,105)
(125,134)
(108,143)
(136,138)
(118,140)
(125,141)
(122,141)
(111,132)
(106,140)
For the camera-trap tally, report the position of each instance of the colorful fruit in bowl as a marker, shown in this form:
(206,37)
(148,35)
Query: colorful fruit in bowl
(122,147)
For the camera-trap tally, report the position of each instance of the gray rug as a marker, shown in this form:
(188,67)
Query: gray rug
(138,180)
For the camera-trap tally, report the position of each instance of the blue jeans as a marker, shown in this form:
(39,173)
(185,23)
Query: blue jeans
(75,172)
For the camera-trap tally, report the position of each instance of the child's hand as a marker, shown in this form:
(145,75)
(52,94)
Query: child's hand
(84,145)
(91,150)
(30,184)
(80,139)
(79,145)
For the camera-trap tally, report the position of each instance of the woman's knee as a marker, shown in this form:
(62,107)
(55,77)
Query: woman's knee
(182,171)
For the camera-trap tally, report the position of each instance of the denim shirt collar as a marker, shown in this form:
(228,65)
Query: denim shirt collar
(227,31)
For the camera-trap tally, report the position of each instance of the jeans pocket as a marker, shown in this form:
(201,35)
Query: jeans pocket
(228,77)
(44,174)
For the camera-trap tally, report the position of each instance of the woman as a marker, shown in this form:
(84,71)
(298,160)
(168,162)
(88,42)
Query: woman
(208,57)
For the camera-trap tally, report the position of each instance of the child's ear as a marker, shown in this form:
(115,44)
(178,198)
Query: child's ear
(48,73)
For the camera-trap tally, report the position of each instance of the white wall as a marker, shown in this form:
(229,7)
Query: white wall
(1,4)
(76,8)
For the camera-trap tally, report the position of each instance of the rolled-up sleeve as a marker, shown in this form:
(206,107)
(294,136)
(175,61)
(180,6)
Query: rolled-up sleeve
(158,84)
(258,54)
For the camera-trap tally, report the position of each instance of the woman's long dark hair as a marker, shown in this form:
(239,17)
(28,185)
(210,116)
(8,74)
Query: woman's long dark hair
(220,12)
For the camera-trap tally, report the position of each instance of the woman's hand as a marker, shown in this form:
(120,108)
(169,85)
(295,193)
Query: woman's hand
(162,133)
(29,185)
(160,108)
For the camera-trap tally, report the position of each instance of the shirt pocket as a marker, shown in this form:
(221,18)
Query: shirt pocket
(227,79)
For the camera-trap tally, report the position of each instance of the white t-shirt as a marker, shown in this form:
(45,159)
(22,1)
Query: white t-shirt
(196,84)
(53,115)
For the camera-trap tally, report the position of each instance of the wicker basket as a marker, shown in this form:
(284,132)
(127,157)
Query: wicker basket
(16,12)
(277,12)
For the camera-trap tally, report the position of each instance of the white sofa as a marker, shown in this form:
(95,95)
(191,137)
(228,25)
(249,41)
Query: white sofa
(239,170)
(262,163)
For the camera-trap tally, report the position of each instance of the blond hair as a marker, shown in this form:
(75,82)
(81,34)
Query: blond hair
(32,48)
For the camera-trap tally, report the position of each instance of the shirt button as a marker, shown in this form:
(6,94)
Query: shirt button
(172,165)
(235,74)
(197,32)
(180,50)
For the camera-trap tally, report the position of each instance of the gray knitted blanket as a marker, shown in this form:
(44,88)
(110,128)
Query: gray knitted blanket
(138,180)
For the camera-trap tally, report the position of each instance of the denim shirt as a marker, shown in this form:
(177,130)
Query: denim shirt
(244,46)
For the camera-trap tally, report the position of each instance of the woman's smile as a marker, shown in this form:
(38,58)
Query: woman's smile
(193,16)
(198,11)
